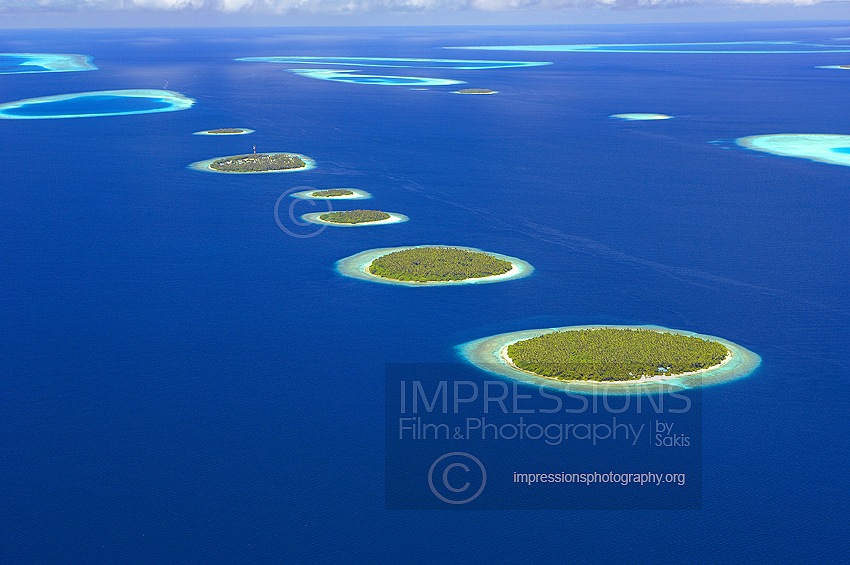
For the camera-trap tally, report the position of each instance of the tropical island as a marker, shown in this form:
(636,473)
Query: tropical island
(355,218)
(256,163)
(330,193)
(611,359)
(333,193)
(225,131)
(613,354)
(432,265)
(476,91)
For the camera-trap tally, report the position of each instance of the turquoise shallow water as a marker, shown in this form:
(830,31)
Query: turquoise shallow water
(14,63)
(95,104)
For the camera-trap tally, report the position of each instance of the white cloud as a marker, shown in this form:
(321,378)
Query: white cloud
(367,6)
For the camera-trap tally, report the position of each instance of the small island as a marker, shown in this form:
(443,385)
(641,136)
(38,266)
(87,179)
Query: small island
(225,131)
(438,264)
(475,91)
(432,265)
(354,218)
(256,163)
(332,194)
(611,359)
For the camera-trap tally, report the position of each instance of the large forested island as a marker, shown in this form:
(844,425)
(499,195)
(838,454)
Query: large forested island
(614,354)
(354,216)
(429,264)
(258,163)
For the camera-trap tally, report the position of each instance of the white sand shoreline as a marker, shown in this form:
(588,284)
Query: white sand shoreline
(357,266)
(308,194)
(489,354)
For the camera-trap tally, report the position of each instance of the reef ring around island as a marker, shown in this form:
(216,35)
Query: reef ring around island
(357,267)
(314,218)
(488,354)
(205,165)
(357,194)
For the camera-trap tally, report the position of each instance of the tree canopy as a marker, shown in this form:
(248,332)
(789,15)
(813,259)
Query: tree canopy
(423,264)
(613,354)
(257,163)
(354,216)
(332,192)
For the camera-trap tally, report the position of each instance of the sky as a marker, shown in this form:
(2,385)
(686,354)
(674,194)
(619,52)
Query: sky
(238,13)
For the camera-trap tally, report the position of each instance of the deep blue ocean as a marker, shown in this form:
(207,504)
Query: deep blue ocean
(182,381)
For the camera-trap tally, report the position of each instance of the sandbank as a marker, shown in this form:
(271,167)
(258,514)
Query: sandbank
(396,62)
(205,165)
(242,131)
(727,47)
(640,117)
(357,267)
(313,218)
(308,194)
(474,93)
(44,63)
(825,148)
(489,354)
(171,102)
(349,76)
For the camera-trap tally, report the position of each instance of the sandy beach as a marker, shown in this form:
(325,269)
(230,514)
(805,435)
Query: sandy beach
(308,194)
(357,266)
(314,218)
(489,354)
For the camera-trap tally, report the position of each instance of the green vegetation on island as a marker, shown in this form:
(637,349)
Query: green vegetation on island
(226,130)
(332,192)
(475,91)
(354,216)
(257,163)
(611,354)
(431,264)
